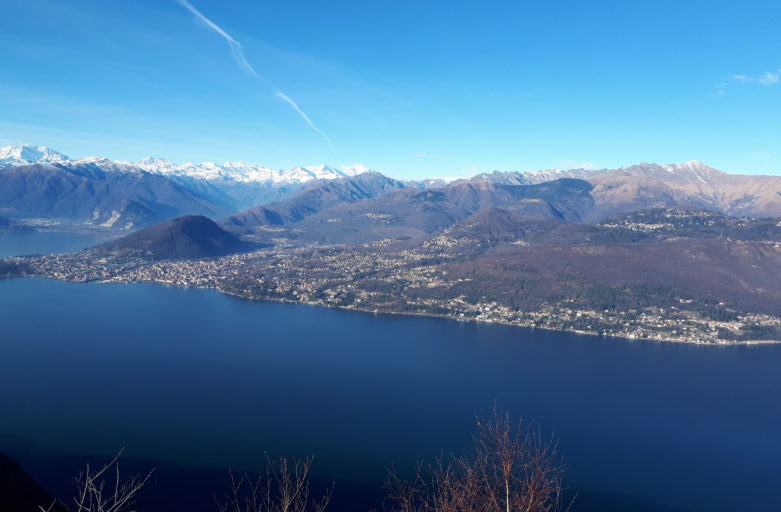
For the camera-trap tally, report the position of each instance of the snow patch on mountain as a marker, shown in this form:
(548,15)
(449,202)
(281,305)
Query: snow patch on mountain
(12,156)
(242,172)
(692,171)
(533,177)
(227,172)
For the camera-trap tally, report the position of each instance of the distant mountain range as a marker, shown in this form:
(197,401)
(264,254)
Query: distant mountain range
(238,172)
(410,212)
(230,186)
(252,200)
(649,185)
(687,184)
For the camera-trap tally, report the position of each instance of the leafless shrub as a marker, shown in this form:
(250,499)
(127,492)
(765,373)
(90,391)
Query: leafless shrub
(511,468)
(105,490)
(284,487)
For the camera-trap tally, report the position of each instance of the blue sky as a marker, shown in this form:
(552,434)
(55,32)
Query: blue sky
(411,88)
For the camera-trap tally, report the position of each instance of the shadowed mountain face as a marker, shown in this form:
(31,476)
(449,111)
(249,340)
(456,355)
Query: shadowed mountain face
(645,186)
(190,236)
(410,213)
(651,258)
(623,276)
(128,215)
(76,191)
(497,228)
(312,200)
(490,228)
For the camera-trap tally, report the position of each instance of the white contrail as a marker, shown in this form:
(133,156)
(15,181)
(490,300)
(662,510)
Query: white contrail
(295,106)
(235,46)
(238,55)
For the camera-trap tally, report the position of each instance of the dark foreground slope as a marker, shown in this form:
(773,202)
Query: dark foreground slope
(20,493)
(187,237)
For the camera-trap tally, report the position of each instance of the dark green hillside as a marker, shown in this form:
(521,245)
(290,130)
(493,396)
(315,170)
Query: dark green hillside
(186,237)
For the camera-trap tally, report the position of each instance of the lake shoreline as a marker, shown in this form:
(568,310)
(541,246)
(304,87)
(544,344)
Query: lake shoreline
(721,343)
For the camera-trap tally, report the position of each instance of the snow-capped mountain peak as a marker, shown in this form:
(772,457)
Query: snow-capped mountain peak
(354,169)
(11,156)
(533,177)
(154,162)
(227,172)
(692,171)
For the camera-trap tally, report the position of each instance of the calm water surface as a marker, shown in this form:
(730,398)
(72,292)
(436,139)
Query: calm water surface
(192,381)
(45,242)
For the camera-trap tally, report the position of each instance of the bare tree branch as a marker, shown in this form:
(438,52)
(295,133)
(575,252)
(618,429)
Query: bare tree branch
(284,487)
(511,468)
(97,492)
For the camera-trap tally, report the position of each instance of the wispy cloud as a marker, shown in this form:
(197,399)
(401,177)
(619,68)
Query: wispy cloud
(720,89)
(241,60)
(766,79)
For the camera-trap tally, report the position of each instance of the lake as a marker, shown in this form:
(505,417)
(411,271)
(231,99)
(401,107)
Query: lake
(20,243)
(193,382)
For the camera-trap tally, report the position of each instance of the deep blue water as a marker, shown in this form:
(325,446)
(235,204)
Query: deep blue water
(192,381)
(44,242)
